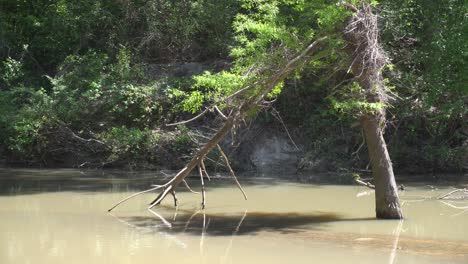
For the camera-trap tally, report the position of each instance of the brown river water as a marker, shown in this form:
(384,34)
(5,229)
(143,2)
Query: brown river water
(60,216)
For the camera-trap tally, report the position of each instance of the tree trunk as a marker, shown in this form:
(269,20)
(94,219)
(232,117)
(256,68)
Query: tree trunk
(368,60)
(387,204)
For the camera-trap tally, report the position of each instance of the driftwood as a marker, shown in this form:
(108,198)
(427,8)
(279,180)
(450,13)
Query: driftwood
(237,115)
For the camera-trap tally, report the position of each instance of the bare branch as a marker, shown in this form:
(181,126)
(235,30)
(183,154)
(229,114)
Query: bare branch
(231,171)
(175,198)
(278,116)
(202,187)
(220,113)
(191,119)
(133,195)
(202,163)
(188,187)
(367,184)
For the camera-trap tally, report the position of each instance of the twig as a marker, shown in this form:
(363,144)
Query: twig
(220,113)
(367,184)
(278,116)
(188,187)
(175,198)
(231,171)
(202,163)
(133,195)
(191,119)
(202,187)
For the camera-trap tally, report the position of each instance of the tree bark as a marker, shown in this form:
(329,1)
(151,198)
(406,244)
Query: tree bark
(368,60)
(387,204)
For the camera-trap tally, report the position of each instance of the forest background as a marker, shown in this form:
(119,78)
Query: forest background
(95,83)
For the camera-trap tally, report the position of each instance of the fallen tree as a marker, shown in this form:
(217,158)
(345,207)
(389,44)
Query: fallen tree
(237,115)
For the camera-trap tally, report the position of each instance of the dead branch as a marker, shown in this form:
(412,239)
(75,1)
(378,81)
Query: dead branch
(231,171)
(202,163)
(175,198)
(278,116)
(188,187)
(191,119)
(363,183)
(202,187)
(220,113)
(133,195)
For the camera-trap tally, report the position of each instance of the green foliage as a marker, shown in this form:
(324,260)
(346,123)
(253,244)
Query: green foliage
(128,143)
(22,127)
(92,88)
(429,53)
(11,71)
(80,64)
(351,100)
(182,141)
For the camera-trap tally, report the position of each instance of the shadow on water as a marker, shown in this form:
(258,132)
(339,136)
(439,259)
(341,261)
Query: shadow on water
(298,225)
(226,225)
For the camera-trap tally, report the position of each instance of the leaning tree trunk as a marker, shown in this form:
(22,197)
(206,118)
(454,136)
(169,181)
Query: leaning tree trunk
(238,114)
(368,59)
(387,205)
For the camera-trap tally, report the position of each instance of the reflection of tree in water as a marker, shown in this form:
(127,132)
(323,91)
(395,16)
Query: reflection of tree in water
(299,226)
(225,224)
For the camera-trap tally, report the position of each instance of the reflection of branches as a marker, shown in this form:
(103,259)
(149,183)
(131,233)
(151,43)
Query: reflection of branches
(165,222)
(396,233)
(444,199)
(152,229)
(233,235)
(203,233)
(463,208)
(450,195)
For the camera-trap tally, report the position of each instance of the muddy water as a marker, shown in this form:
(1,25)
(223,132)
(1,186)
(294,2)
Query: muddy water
(60,217)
